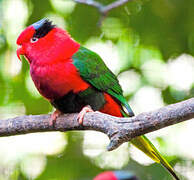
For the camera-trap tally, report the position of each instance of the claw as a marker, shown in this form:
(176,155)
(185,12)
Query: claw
(54,117)
(82,114)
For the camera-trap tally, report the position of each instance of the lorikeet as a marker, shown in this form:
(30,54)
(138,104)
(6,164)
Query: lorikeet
(115,175)
(75,79)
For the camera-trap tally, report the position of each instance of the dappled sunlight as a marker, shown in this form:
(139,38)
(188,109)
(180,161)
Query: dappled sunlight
(94,146)
(94,143)
(138,42)
(181,72)
(31,87)
(39,143)
(115,159)
(108,52)
(63,6)
(33,165)
(130,81)
(30,150)
(139,156)
(11,110)
(112,23)
(57,19)
(155,72)
(186,169)
(184,140)
(15,15)
(12,64)
(146,98)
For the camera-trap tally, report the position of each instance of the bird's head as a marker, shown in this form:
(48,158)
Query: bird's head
(116,175)
(44,42)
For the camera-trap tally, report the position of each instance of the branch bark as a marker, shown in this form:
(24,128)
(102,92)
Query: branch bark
(119,130)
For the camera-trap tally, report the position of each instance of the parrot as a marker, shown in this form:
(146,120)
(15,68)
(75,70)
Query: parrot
(116,175)
(75,79)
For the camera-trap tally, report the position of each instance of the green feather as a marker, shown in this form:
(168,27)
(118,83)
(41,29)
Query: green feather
(93,70)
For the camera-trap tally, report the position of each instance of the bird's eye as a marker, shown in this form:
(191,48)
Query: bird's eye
(34,39)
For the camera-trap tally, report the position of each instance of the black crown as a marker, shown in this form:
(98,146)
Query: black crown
(43,28)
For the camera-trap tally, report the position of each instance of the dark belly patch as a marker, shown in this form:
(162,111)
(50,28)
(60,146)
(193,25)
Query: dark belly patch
(72,102)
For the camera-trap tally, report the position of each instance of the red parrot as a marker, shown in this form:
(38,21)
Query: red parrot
(75,79)
(115,175)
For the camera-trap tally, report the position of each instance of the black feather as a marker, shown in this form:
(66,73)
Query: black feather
(44,29)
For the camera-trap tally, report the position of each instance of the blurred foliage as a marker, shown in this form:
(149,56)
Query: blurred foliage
(148,36)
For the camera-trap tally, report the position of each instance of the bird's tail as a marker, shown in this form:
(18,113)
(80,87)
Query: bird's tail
(145,145)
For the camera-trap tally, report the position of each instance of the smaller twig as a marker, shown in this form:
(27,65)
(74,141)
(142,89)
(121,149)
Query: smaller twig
(106,9)
(90,3)
(102,8)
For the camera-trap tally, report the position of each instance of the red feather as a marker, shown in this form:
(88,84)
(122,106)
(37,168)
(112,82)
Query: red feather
(111,107)
(108,175)
(52,71)
(56,80)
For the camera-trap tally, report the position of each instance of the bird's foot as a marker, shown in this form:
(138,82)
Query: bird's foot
(82,114)
(54,117)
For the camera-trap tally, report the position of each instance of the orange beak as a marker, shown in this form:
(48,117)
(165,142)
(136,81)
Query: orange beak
(20,51)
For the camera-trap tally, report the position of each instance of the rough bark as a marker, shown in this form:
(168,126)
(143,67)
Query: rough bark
(119,130)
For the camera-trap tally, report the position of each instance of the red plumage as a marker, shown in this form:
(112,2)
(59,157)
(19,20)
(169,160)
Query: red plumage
(111,107)
(52,71)
(57,79)
(108,175)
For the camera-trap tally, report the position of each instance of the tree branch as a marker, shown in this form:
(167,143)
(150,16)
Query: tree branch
(103,9)
(91,3)
(119,130)
(107,8)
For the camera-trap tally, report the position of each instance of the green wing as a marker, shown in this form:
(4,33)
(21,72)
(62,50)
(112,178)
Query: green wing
(93,70)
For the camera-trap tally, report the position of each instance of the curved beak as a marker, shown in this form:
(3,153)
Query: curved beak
(20,51)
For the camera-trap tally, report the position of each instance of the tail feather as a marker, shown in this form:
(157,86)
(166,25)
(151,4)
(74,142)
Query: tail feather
(144,144)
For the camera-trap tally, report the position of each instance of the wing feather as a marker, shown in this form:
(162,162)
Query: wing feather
(93,70)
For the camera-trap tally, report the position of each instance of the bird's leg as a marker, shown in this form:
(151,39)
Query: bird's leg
(54,117)
(83,112)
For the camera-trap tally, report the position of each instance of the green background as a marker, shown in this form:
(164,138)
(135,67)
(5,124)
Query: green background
(148,44)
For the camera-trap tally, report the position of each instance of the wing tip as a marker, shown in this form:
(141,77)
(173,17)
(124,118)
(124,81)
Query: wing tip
(130,111)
